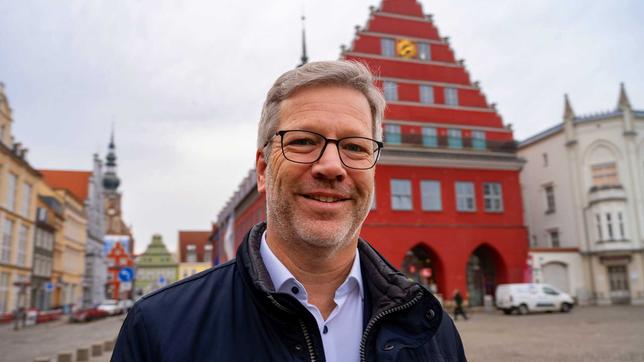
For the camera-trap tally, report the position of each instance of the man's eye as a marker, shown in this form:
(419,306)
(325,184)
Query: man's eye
(302,142)
(354,147)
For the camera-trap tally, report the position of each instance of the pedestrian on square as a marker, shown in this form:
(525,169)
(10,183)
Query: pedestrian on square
(304,286)
(458,305)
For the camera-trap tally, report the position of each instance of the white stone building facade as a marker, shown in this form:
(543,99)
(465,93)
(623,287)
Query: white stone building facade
(95,277)
(583,189)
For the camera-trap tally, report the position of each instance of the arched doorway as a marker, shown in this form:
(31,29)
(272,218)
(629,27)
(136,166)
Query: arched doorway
(556,274)
(484,271)
(423,265)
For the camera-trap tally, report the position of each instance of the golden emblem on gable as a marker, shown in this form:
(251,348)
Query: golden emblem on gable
(406,48)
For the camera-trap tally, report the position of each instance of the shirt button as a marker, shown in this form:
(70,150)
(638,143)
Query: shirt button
(295,290)
(325,330)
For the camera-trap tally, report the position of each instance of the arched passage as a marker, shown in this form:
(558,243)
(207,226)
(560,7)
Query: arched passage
(485,269)
(423,265)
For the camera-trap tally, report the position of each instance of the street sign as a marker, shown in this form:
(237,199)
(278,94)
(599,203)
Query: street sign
(126,275)
(49,287)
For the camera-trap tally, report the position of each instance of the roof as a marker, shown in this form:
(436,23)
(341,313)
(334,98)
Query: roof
(576,120)
(76,182)
(197,238)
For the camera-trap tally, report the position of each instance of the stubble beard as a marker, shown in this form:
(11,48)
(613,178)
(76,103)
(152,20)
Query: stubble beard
(298,230)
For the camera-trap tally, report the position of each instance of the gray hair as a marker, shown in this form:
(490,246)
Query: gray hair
(346,73)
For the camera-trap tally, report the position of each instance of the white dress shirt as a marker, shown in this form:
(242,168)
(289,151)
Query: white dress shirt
(342,331)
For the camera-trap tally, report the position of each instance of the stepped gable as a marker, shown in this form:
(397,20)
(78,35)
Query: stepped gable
(420,56)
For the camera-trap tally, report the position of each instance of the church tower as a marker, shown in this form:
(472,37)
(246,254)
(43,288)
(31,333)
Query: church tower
(114,217)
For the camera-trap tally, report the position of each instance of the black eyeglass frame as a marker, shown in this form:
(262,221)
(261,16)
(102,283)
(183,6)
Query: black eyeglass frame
(281,133)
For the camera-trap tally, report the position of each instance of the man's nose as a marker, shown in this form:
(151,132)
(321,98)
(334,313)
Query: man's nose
(330,166)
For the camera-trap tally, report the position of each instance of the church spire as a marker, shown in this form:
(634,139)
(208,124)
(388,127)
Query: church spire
(304,57)
(110,180)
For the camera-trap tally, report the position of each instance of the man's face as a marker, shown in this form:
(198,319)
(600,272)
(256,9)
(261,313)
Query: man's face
(321,204)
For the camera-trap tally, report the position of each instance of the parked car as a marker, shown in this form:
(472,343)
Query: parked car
(531,297)
(87,314)
(111,306)
(126,304)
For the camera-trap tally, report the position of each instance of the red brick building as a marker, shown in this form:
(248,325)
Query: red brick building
(448,208)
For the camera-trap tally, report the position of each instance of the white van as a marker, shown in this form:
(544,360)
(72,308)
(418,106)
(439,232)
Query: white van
(530,297)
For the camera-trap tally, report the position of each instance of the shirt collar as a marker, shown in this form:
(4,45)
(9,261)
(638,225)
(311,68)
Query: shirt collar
(280,275)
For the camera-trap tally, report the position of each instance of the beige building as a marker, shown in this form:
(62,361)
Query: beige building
(17,214)
(69,256)
(583,187)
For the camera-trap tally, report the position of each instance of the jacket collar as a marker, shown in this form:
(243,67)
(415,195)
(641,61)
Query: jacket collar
(387,286)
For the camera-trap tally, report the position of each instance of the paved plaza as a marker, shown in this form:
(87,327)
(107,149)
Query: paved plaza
(48,339)
(585,334)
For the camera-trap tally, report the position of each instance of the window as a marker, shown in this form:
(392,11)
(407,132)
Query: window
(550,291)
(401,195)
(26,199)
(478,140)
(21,255)
(604,174)
(41,214)
(545,159)
(4,292)
(429,137)
(598,221)
(391,90)
(392,134)
(465,196)
(7,233)
(609,226)
(426,94)
(387,47)
(207,253)
(191,253)
(451,96)
(554,238)
(431,195)
(620,220)
(550,199)
(454,138)
(424,51)
(11,191)
(492,196)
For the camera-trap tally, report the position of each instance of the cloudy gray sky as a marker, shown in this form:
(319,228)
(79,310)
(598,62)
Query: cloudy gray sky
(183,81)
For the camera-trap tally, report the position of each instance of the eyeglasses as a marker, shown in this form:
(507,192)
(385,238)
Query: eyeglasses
(360,153)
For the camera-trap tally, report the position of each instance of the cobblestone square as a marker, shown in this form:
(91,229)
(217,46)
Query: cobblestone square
(586,334)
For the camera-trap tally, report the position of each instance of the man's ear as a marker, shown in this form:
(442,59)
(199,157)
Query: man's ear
(260,170)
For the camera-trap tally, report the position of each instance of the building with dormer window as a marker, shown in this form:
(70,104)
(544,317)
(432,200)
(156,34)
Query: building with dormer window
(583,186)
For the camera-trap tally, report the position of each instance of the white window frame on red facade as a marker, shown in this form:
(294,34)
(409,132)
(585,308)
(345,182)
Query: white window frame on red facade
(465,196)
(401,195)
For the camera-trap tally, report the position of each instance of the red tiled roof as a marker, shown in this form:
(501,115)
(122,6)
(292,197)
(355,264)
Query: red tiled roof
(197,238)
(76,182)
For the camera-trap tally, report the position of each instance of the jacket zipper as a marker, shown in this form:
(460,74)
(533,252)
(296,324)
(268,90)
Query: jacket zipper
(307,338)
(379,316)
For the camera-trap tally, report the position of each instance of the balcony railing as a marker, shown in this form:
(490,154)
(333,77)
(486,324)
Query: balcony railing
(452,143)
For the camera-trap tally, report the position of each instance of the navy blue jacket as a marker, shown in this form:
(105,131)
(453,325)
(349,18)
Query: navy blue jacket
(232,313)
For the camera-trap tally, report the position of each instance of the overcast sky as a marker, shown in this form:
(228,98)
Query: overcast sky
(183,81)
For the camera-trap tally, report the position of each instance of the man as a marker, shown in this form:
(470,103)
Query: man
(458,305)
(303,286)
